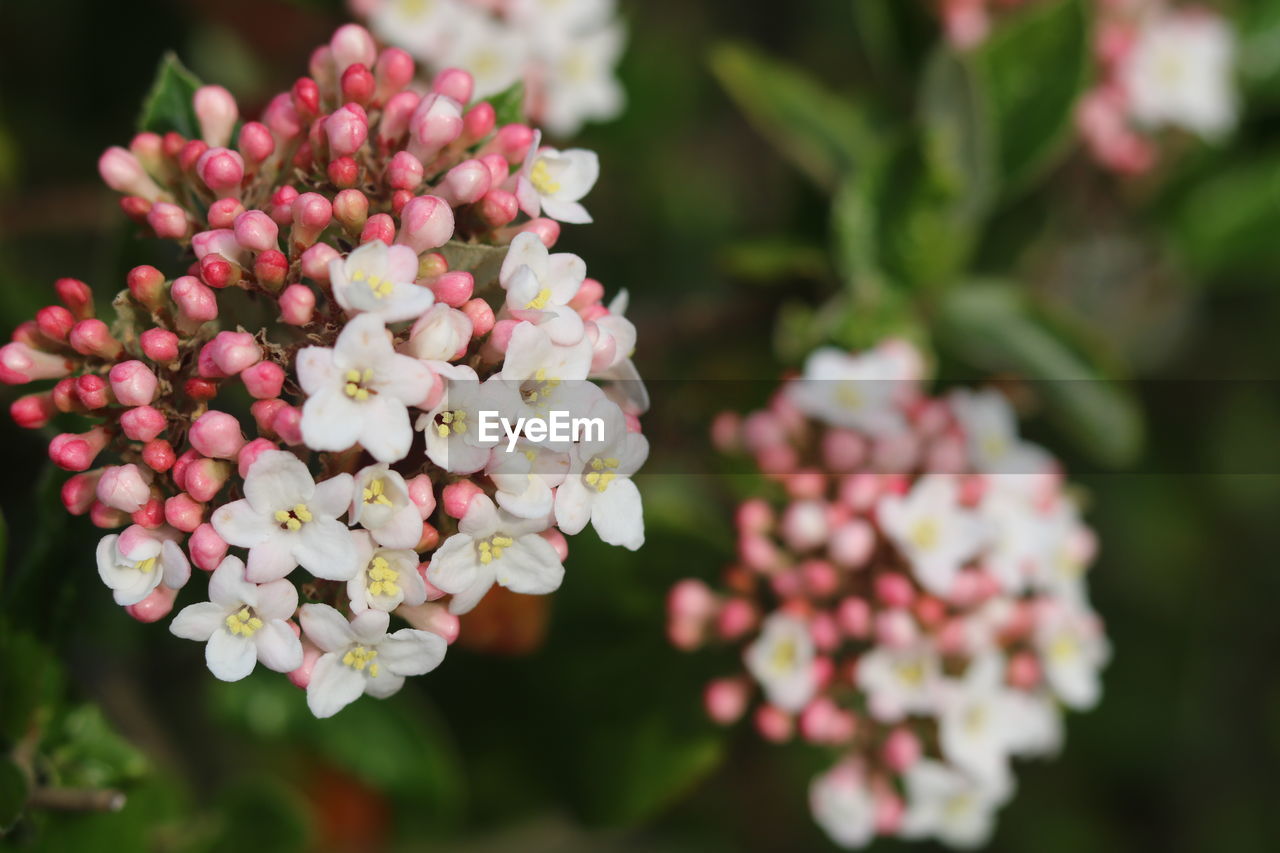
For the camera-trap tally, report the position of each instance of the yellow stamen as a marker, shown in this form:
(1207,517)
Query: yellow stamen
(382,578)
(243,623)
(147,566)
(375,493)
(540,177)
(358,657)
(540,301)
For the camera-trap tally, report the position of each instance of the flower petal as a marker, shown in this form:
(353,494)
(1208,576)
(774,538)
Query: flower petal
(276,480)
(333,686)
(325,627)
(617,514)
(411,652)
(198,621)
(230,658)
(325,548)
(278,647)
(239,524)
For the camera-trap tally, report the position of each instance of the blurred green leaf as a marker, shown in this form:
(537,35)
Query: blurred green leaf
(959,147)
(991,326)
(29,678)
(1030,73)
(854,235)
(1227,221)
(168,106)
(279,820)
(13,792)
(84,751)
(1258,25)
(820,132)
(774,260)
(508,105)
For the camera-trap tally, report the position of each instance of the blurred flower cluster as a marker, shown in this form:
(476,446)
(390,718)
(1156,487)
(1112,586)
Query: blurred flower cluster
(365,260)
(909,596)
(565,51)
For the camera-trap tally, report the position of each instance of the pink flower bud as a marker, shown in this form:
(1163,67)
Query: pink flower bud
(146,286)
(854,617)
(76,295)
(432,617)
(497,208)
(457,497)
(206,547)
(121,171)
(500,336)
(547,230)
(396,115)
(454,83)
(393,71)
(305,96)
(232,352)
(159,345)
(454,288)
(204,478)
(158,455)
(287,424)
(219,241)
(405,172)
(264,413)
(92,337)
(773,723)
(422,494)
(250,453)
(380,226)
(256,231)
(223,213)
(101,515)
(33,411)
(196,303)
(481,314)
(92,391)
(149,149)
(1024,671)
(435,123)
(894,590)
(132,383)
(312,213)
(901,750)
(301,676)
(150,515)
(155,606)
(346,128)
(357,85)
(465,183)
(217,113)
(80,491)
(21,364)
(256,143)
(142,423)
(425,223)
(183,512)
(843,450)
(736,618)
(281,117)
(282,206)
(351,43)
(263,380)
(217,434)
(896,628)
(221,169)
(478,123)
(726,700)
(123,487)
(76,452)
(315,261)
(297,304)
(351,209)
(512,141)
(168,221)
(55,322)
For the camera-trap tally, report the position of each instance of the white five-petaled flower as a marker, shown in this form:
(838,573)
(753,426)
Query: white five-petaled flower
(540,285)
(598,487)
(990,429)
(1073,649)
(525,478)
(137,560)
(360,391)
(421,27)
(856,391)
(978,721)
(625,384)
(243,623)
(452,426)
(287,519)
(380,504)
(781,660)
(494,54)
(494,546)
(547,376)
(1179,73)
(900,681)
(378,279)
(578,82)
(946,804)
(843,806)
(361,657)
(932,530)
(552,183)
(388,577)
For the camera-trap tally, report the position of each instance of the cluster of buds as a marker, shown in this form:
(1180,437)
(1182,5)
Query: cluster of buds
(563,51)
(967,23)
(910,597)
(366,262)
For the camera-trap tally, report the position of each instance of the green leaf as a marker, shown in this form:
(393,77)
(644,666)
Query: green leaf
(508,105)
(484,262)
(84,751)
(1030,73)
(821,133)
(959,147)
(13,792)
(168,106)
(1226,221)
(992,327)
(774,260)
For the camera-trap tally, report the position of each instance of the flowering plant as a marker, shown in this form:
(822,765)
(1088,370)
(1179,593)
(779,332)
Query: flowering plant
(367,262)
(910,597)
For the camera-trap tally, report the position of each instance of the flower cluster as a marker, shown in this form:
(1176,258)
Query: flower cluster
(366,261)
(564,51)
(912,600)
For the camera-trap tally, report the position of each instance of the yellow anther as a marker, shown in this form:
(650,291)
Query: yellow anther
(293,519)
(358,275)
(380,287)
(442,430)
(382,578)
(540,301)
(356,381)
(243,623)
(446,417)
(503,541)
(375,493)
(301,511)
(925,534)
(491,549)
(147,566)
(358,657)
(600,475)
(540,177)
(847,395)
(784,655)
(353,376)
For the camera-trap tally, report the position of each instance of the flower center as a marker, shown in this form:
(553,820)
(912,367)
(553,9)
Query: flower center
(540,177)
(910,673)
(376,493)
(380,287)
(784,656)
(293,519)
(540,301)
(847,395)
(491,549)
(994,446)
(924,534)
(538,388)
(243,623)
(382,578)
(601,473)
(451,422)
(1064,648)
(357,384)
(358,657)
(146,566)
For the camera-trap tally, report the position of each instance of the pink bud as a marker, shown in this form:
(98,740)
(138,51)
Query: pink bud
(206,547)
(250,453)
(158,455)
(256,143)
(184,513)
(315,261)
(76,295)
(281,116)
(393,71)
(101,515)
(478,123)
(282,205)
(346,128)
(773,723)
(196,302)
(425,223)
(896,628)
(481,315)
(435,123)
(396,115)
(497,208)
(312,213)
(159,345)
(405,172)
(256,231)
(465,183)
(852,544)
(726,700)
(264,414)
(133,383)
(432,617)
(20,364)
(204,478)
(123,487)
(92,391)
(454,83)
(351,43)
(454,288)
(232,352)
(287,424)
(301,676)
(121,171)
(380,226)
(901,750)
(92,337)
(512,141)
(351,208)
(1024,671)
(422,494)
(33,411)
(55,322)
(217,434)
(217,112)
(457,497)
(149,149)
(168,221)
(894,589)
(142,423)
(263,380)
(146,285)
(150,515)
(221,169)
(297,304)
(854,617)
(155,606)
(357,85)
(80,491)
(73,452)
(736,618)
(547,230)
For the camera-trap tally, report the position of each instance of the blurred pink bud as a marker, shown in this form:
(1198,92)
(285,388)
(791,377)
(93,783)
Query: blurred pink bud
(435,123)
(142,423)
(133,383)
(397,112)
(159,345)
(297,304)
(256,143)
(312,213)
(854,617)
(894,589)
(264,414)
(55,322)
(204,478)
(896,628)
(901,750)
(1024,671)
(457,496)
(76,452)
(425,223)
(773,723)
(405,171)
(512,141)
(822,721)
(155,606)
(454,288)
(121,171)
(392,72)
(281,116)
(80,491)
(33,411)
(380,226)
(357,86)
(454,83)
(76,295)
(301,676)
(547,230)
(287,424)
(465,183)
(168,221)
(351,43)
(123,487)
(101,515)
(183,512)
(20,364)
(256,231)
(477,123)
(149,149)
(92,337)
(737,616)
(435,618)
(422,494)
(726,700)
(315,262)
(497,208)
(217,113)
(263,380)
(221,169)
(217,434)
(558,541)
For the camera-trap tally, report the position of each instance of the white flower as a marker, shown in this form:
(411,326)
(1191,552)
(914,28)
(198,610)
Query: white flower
(380,504)
(1036,727)
(494,53)
(900,681)
(137,560)
(540,285)
(944,803)
(990,429)
(378,279)
(452,427)
(1073,649)
(625,384)
(421,27)
(243,623)
(558,16)
(360,391)
(287,519)
(547,377)
(551,182)
(578,81)
(781,660)
(1068,548)
(439,334)
(843,806)
(1179,73)
(855,391)
(526,477)
(361,657)
(388,577)
(598,487)
(494,546)
(977,722)
(935,534)
(1017,545)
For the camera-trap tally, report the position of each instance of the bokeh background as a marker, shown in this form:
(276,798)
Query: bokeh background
(568,723)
